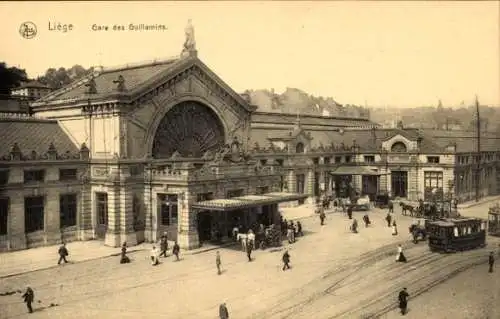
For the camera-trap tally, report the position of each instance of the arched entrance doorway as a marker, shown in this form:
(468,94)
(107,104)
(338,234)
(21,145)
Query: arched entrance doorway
(189,128)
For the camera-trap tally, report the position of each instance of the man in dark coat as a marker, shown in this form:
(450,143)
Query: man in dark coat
(349,212)
(29,297)
(249,250)
(163,246)
(124,258)
(322,216)
(388,219)
(391,207)
(175,250)
(286,260)
(63,252)
(491,262)
(403,301)
(223,312)
(218,263)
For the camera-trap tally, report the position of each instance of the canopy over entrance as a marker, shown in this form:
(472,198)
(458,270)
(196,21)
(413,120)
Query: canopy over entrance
(247,201)
(354,170)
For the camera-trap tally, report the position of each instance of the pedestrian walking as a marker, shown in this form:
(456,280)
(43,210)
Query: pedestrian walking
(388,219)
(391,207)
(155,260)
(218,263)
(491,262)
(124,258)
(322,216)
(249,250)
(400,255)
(366,220)
(354,226)
(349,212)
(223,312)
(175,251)
(403,301)
(63,253)
(164,246)
(29,297)
(286,260)
(394,228)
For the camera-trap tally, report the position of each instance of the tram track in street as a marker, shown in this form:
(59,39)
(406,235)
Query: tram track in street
(338,272)
(431,272)
(371,288)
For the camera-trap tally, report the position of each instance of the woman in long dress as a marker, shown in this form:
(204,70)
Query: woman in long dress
(394,229)
(400,256)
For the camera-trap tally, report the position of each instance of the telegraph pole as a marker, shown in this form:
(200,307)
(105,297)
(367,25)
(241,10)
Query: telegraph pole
(478,156)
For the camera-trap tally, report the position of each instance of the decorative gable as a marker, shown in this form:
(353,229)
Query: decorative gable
(399,144)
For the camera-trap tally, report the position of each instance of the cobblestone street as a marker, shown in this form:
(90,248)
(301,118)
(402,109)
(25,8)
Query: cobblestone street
(105,288)
(192,289)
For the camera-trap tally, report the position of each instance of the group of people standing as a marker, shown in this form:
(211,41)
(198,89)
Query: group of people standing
(162,252)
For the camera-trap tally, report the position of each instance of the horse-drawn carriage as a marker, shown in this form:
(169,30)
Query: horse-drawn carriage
(494,220)
(418,229)
(456,234)
(429,210)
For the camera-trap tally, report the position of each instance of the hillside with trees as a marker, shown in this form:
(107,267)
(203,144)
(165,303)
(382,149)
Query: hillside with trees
(439,117)
(58,77)
(296,101)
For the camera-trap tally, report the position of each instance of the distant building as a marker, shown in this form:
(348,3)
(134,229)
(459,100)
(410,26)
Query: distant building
(32,90)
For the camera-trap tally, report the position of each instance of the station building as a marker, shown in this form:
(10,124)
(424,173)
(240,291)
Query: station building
(124,154)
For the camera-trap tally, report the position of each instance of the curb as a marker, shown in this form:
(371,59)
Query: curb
(75,262)
(479,203)
(187,252)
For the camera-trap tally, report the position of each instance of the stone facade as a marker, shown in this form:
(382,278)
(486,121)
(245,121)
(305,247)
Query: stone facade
(126,194)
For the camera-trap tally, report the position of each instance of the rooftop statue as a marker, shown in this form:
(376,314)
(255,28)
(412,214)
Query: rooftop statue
(189,43)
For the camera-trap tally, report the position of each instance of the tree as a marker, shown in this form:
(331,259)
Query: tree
(57,78)
(10,77)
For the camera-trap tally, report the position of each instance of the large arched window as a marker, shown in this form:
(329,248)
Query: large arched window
(398,147)
(299,148)
(189,128)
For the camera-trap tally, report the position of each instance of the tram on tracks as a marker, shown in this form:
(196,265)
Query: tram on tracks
(456,234)
(494,221)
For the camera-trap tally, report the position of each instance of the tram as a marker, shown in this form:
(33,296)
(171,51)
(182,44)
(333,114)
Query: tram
(494,221)
(456,234)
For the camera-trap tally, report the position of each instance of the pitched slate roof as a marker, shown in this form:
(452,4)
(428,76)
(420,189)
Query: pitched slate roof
(370,140)
(33,135)
(310,120)
(466,141)
(134,76)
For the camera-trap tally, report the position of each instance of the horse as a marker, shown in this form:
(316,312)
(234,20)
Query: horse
(407,208)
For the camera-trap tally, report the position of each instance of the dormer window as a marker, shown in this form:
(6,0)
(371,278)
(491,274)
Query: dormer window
(398,147)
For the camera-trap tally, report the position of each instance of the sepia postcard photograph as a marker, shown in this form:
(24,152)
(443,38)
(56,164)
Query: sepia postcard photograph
(250,159)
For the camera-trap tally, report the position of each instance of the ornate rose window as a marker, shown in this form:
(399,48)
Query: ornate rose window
(189,128)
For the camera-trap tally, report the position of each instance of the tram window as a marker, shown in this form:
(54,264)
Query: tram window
(442,232)
(469,230)
(483,226)
(455,231)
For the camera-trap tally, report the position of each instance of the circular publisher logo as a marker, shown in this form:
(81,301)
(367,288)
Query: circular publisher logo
(27,30)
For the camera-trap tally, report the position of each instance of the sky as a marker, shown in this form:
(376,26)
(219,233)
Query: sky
(379,54)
